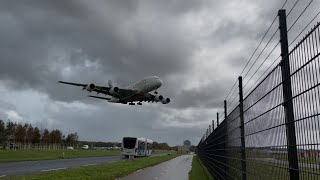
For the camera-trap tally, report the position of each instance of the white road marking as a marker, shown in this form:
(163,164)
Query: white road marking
(2,176)
(90,164)
(46,170)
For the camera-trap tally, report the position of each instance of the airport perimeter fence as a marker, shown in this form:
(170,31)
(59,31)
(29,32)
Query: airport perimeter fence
(273,132)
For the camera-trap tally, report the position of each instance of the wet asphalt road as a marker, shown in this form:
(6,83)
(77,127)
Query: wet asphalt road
(175,169)
(31,167)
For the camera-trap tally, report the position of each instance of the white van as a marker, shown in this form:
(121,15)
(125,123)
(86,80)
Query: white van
(85,147)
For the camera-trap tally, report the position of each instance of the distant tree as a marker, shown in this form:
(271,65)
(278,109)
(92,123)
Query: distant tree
(10,131)
(55,136)
(2,132)
(20,133)
(161,146)
(36,135)
(192,148)
(29,134)
(72,138)
(45,136)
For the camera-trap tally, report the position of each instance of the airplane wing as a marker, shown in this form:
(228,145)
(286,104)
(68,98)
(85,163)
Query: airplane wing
(99,97)
(138,97)
(74,84)
(123,93)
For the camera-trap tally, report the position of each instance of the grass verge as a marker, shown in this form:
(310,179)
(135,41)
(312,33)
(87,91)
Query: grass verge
(102,171)
(198,171)
(157,151)
(34,155)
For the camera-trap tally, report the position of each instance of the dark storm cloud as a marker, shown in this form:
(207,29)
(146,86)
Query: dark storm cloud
(42,42)
(123,50)
(128,40)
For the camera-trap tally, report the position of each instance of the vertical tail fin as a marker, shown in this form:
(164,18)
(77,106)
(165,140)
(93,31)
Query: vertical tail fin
(110,83)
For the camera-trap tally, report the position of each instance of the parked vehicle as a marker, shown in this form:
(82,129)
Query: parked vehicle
(85,147)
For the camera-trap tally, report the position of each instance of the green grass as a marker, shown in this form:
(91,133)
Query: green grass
(157,151)
(102,171)
(269,170)
(198,171)
(34,155)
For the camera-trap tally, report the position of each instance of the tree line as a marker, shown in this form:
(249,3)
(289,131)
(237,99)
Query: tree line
(16,136)
(25,136)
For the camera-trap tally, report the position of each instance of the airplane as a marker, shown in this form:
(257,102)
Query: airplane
(137,92)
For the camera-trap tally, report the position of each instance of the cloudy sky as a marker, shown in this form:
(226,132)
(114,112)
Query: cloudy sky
(198,48)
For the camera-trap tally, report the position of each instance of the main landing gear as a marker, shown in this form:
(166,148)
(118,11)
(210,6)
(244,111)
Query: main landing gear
(132,104)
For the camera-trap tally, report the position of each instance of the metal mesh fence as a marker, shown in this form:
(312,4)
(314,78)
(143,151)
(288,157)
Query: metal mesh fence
(305,77)
(268,149)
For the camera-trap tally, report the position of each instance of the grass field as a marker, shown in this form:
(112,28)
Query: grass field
(33,155)
(156,151)
(102,171)
(198,171)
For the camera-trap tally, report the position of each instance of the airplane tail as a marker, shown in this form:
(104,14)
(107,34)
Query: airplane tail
(110,83)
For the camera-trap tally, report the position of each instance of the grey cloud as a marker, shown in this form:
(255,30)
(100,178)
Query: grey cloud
(94,41)
(37,28)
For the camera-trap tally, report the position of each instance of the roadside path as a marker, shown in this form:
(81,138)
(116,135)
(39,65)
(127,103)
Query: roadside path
(177,169)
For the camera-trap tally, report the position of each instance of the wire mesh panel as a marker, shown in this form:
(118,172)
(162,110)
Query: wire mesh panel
(212,152)
(234,144)
(305,78)
(265,131)
(267,135)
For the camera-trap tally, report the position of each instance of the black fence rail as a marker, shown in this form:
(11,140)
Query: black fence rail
(273,132)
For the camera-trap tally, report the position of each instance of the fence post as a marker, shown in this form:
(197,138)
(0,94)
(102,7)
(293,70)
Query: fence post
(207,133)
(243,150)
(226,136)
(225,109)
(212,125)
(217,118)
(287,98)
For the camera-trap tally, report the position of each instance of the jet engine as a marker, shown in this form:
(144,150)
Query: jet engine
(90,87)
(158,98)
(165,100)
(114,90)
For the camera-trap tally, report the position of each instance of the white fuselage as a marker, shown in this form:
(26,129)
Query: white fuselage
(146,85)
(143,86)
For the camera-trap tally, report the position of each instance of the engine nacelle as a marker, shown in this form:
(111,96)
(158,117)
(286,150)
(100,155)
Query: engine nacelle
(114,90)
(90,87)
(158,98)
(165,100)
